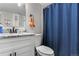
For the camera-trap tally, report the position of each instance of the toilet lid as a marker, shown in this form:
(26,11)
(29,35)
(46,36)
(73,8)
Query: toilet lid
(45,50)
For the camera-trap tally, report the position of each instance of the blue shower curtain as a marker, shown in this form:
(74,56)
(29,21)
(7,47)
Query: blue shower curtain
(61,28)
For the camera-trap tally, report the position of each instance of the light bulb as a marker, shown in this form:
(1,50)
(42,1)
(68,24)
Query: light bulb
(19,4)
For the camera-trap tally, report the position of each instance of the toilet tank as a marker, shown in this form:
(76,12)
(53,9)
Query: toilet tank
(38,39)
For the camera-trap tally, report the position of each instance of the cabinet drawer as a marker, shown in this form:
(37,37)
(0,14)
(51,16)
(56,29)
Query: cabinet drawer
(15,39)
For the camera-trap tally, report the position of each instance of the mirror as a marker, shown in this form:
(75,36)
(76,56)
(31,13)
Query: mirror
(12,15)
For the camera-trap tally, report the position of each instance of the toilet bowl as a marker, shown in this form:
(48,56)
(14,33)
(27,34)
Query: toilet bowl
(42,50)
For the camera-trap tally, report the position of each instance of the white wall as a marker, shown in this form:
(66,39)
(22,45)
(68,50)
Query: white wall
(37,10)
(34,9)
(45,4)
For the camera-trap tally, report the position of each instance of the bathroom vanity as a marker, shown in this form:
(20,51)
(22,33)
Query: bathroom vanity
(17,44)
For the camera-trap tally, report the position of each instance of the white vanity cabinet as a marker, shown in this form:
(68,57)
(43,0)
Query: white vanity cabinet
(17,46)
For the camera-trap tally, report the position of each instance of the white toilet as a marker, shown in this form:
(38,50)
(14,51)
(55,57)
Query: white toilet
(42,50)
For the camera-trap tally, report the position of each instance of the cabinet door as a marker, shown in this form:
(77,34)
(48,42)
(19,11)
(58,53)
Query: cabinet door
(24,46)
(27,50)
(6,53)
(5,49)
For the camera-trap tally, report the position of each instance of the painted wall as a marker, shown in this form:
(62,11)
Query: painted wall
(37,10)
(34,9)
(43,5)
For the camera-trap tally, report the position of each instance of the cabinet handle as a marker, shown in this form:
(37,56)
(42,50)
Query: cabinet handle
(15,53)
(10,54)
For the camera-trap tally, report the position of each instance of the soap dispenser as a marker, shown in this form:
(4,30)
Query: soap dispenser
(1,28)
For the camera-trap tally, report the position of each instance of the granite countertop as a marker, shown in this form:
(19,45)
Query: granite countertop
(3,35)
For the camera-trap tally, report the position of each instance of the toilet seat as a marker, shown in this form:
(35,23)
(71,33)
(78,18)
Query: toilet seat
(45,51)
